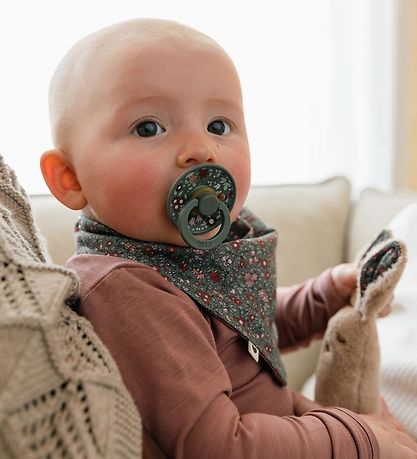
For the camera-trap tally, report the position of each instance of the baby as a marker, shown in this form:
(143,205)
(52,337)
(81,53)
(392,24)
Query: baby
(133,107)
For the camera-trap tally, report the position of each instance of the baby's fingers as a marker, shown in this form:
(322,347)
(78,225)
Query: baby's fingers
(386,310)
(407,444)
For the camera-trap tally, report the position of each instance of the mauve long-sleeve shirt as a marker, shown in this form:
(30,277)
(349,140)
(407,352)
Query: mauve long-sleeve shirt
(199,392)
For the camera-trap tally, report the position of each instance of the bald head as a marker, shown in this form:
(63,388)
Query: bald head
(76,78)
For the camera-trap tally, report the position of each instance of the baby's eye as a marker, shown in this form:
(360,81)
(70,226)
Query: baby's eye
(148,128)
(219,127)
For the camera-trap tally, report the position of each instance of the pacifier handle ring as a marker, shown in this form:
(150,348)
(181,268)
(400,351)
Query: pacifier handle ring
(190,239)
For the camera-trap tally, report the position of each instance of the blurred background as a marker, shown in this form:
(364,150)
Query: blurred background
(330,86)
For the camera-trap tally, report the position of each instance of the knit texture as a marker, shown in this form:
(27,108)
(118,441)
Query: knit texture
(61,394)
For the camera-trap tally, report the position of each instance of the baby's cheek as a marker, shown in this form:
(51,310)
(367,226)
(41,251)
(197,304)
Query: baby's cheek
(241,174)
(131,192)
(139,189)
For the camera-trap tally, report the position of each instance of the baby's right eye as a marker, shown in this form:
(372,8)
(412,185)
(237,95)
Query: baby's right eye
(148,128)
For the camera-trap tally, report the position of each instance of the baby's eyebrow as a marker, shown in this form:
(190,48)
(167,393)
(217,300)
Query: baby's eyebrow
(127,108)
(147,100)
(226,103)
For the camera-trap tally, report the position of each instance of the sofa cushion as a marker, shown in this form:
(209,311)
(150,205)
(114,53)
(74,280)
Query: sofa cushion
(311,221)
(373,211)
(56,223)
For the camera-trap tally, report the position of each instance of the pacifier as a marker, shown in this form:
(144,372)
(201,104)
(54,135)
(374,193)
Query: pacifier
(200,200)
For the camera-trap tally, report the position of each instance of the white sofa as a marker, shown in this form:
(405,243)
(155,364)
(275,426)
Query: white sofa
(318,225)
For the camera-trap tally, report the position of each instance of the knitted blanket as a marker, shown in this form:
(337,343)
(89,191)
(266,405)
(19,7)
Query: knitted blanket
(61,394)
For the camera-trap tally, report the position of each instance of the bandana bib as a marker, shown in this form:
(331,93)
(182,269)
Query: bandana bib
(235,282)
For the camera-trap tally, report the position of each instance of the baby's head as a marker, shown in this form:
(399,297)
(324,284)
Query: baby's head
(132,107)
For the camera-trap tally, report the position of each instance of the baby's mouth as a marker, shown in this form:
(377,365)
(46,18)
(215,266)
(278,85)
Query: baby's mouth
(200,200)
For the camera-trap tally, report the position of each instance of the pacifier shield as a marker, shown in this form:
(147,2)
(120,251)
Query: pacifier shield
(207,183)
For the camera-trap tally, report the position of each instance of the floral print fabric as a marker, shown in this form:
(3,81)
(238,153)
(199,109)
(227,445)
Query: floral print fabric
(235,282)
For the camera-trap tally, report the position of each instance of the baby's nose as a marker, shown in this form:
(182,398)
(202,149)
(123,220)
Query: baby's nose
(195,151)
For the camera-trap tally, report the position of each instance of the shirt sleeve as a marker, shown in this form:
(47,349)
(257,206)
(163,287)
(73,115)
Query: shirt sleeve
(166,354)
(303,310)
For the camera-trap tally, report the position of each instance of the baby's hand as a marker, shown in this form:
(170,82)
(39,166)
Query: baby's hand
(392,437)
(344,280)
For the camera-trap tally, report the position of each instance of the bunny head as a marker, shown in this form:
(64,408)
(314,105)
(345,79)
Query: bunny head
(348,368)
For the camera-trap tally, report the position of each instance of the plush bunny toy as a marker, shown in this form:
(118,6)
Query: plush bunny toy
(347,373)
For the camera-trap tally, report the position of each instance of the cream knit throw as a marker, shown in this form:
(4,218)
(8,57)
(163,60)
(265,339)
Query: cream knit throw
(61,394)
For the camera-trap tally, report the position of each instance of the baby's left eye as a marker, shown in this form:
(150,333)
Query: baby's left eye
(219,127)
(148,128)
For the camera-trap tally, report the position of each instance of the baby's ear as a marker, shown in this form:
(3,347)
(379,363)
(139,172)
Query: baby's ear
(61,179)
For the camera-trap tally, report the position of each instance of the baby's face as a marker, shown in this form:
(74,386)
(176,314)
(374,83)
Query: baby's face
(153,112)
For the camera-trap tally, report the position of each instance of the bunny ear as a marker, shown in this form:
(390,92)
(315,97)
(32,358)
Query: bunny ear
(384,235)
(380,270)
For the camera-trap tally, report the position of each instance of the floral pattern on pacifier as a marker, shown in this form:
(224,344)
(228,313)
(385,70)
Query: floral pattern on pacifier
(214,177)
(200,200)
